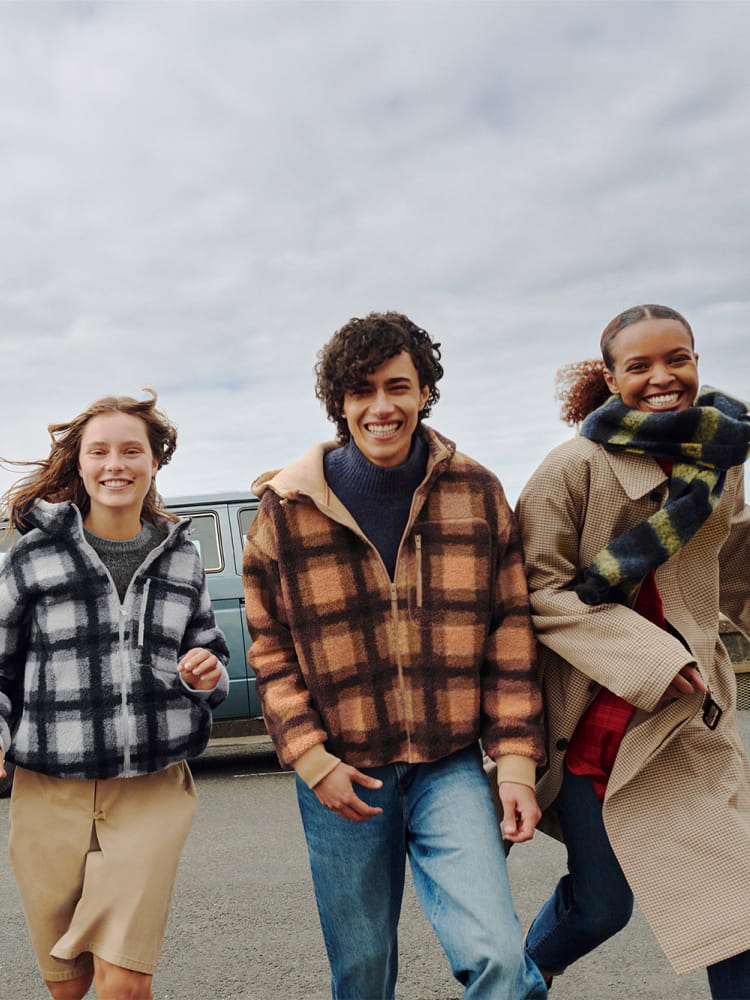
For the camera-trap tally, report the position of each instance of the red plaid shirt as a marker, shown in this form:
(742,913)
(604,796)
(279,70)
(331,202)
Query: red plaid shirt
(596,740)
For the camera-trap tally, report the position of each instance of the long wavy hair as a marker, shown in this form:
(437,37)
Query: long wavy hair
(580,386)
(56,477)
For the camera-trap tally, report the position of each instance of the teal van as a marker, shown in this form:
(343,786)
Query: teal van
(220,523)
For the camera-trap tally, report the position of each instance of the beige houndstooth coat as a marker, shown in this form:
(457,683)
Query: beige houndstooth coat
(677,808)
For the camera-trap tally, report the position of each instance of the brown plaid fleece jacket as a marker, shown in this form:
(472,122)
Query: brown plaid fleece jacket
(406,670)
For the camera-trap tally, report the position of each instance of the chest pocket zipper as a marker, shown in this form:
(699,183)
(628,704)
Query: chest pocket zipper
(418,547)
(142,619)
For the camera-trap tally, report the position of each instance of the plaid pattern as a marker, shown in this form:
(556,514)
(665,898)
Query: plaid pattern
(703,442)
(378,671)
(678,799)
(95,683)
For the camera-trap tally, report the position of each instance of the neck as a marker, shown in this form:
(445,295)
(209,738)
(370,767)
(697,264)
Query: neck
(116,525)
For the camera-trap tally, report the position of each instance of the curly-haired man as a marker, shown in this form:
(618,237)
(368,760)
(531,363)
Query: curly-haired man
(387,602)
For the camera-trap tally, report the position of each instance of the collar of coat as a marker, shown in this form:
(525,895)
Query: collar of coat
(304,480)
(64,519)
(637,474)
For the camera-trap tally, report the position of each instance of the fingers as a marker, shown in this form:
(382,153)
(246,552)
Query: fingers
(200,669)
(336,792)
(198,662)
(366,780)
(695,678)
(688,680)
(520,811)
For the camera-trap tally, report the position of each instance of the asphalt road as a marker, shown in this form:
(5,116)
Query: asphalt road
(243,924)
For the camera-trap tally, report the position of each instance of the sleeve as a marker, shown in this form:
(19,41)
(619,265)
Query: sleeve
(512,731)
(610,643)
(14,633)
(203,631)
(293,723)
(734,582)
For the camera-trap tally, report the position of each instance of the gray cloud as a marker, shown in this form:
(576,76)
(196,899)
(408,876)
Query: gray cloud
(196,195)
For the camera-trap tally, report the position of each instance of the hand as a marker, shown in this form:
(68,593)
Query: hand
(687,681)
(336,792)
(520,811)
(200,669)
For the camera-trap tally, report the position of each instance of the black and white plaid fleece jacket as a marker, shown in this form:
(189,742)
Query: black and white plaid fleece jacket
(89,686)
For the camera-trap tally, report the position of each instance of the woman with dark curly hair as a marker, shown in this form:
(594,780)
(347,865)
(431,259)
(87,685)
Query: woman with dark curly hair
(636,536)
(110,663)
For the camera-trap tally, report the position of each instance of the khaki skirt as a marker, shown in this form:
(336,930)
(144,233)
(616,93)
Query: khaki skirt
(95,863)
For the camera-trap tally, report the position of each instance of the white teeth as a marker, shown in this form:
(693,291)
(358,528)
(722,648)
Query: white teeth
(115,482)
(382,430)
(666,400)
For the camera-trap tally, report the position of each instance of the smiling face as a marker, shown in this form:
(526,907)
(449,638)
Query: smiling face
(382,412)
(654,366)
(116,465)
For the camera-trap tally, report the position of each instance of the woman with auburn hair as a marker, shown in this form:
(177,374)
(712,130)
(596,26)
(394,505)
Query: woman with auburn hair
(636,536)
(110,663)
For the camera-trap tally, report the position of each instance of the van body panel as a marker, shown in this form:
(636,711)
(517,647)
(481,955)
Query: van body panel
(220,523)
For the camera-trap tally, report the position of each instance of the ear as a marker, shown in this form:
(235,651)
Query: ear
(423,397)
(611,382)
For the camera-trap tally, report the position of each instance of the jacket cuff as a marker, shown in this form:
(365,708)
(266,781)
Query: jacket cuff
(512,767)
(315,764)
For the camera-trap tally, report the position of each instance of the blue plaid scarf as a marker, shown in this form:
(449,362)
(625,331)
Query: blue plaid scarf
(703,442)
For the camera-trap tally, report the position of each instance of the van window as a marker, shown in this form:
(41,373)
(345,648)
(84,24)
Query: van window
(205,537)
(246,516)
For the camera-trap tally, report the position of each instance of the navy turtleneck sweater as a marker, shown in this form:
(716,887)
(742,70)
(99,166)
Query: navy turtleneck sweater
(378,498)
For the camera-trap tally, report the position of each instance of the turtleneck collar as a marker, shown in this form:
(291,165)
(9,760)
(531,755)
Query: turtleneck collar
(348,464)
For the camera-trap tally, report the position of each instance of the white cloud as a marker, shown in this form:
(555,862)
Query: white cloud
(197,194)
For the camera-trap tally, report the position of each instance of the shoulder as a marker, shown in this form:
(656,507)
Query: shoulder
(457,465)
(572,458)
(473,473)
(306,476)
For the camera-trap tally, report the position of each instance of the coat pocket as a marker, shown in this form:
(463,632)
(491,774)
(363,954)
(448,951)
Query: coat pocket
(452,574)
(167,607)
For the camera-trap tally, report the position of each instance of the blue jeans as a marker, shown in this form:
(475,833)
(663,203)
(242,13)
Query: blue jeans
(441,816)
(594,901)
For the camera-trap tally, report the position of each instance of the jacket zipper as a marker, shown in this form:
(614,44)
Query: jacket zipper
(124,696)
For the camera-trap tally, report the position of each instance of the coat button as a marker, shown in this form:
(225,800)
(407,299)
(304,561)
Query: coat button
(655,495)
(562,744)
(593,686)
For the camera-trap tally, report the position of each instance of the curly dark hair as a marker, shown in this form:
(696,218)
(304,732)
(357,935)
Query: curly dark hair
(56,477)
(581,387)
(361,346)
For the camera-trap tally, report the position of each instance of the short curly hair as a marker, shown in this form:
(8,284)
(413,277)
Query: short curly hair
(361,346)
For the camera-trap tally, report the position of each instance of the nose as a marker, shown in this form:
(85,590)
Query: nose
(660,375)
(381,404)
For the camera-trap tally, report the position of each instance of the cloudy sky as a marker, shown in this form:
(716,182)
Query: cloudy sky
(194,196)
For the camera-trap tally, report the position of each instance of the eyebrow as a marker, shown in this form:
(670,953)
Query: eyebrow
(647,357)
(394,380)
(122,444)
